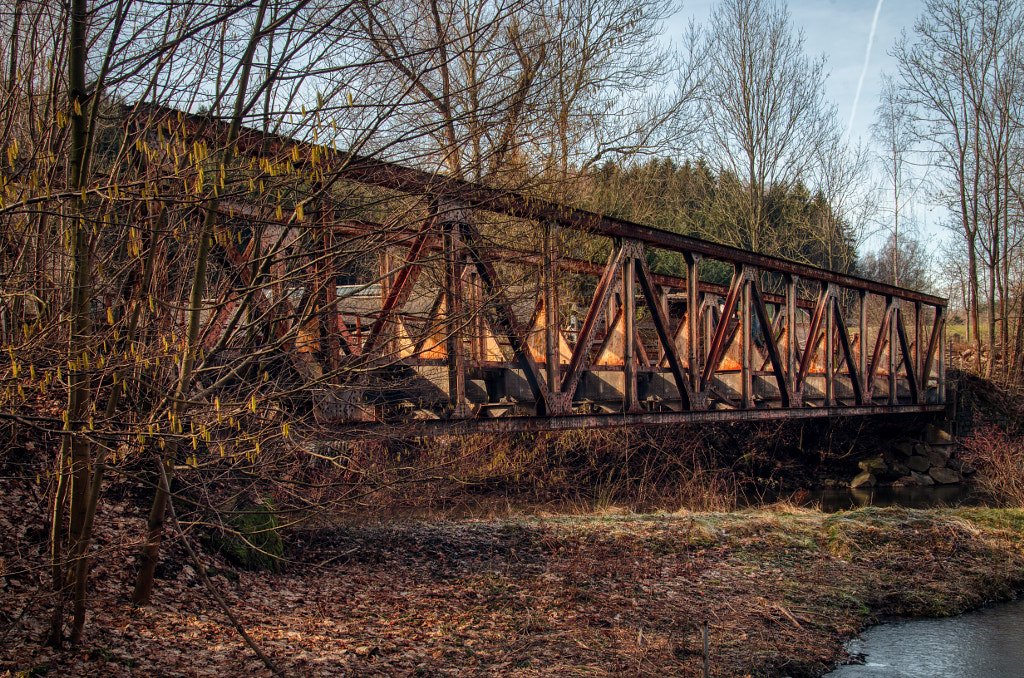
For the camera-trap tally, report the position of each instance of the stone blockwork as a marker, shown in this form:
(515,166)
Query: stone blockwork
(912,463)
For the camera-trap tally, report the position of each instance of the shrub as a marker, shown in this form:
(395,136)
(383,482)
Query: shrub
(999,458)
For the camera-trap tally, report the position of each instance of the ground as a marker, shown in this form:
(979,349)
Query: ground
(780,590)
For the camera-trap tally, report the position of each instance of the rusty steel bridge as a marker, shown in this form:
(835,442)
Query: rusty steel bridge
(555,323)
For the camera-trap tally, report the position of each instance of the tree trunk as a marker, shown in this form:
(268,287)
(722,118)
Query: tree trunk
(155,525)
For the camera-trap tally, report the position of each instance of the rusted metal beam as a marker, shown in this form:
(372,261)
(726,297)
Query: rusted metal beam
(581,352)
(908,359)
(718,343)
(771,346)
(856,376)
(693,309)
(811,344)
(661,326)
(591,421)
(830,386)
(402,286)
(630,401)
(552,322)
(893,363)
(746,370)
(451,223)
(933,344)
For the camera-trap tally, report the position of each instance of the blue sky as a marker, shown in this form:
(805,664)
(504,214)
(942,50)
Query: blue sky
(839,30)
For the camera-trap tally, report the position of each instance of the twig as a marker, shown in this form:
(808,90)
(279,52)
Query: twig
(22,613)
(340,555)
(704,637)
(267,661)
(789,616)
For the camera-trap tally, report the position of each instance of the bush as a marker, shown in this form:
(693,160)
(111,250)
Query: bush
(999,458)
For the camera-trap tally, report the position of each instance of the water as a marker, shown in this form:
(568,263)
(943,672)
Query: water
(845,499)
(986,643)
(830,500)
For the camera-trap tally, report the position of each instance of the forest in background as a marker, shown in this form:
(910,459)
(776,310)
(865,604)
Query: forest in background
(115,248)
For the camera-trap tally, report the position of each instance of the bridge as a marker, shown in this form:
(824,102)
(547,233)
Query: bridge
(443,306)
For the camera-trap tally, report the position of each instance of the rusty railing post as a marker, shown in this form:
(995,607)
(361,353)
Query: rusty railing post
(630,402)
(452,216)
(747,385)
(791,340)
(894,304)
(552,320)
(830,329)
(863,341)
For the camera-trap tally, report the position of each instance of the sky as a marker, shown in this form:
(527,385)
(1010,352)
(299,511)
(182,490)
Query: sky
(840,30)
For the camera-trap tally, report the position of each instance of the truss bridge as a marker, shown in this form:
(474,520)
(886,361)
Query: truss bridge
(400,300)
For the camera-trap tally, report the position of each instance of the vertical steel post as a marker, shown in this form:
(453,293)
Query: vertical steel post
(893,347)
(918,353)
(662,293)
(450,224)
(863,341)
(942,357)
(709,330)
(830,304)
(693,320)
(476,295)
(551,315)
(791,337)
(631,402)
(747,387)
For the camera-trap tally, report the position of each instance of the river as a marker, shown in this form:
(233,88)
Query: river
(987,642)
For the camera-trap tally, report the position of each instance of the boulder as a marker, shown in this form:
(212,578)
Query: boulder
(936,436)
(906,449)
(937,459)
(944,476)
(864,479)
(921,450)
(875,466)
(918,463)
(905,481)
(900,469)
(922,479)
(962,466)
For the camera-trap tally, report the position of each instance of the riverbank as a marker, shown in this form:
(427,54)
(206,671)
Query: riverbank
(780,590)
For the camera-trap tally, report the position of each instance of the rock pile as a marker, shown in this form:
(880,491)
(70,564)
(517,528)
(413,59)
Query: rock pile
(914,463)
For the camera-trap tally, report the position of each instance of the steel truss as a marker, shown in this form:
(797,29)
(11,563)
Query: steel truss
(491,352)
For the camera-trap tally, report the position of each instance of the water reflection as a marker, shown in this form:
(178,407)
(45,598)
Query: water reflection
(831,500)
(982,643)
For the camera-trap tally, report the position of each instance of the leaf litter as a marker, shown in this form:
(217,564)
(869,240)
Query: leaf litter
(779,589)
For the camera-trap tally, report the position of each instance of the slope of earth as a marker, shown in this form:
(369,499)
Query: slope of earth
(779,590)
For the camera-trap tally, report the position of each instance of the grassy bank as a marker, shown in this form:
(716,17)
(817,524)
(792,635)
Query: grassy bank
(780,590)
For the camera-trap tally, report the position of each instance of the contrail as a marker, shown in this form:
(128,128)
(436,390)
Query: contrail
(864,70)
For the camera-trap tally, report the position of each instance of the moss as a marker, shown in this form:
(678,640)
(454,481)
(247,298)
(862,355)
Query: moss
(254,540)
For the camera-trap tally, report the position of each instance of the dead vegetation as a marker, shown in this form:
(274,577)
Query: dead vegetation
(780,590)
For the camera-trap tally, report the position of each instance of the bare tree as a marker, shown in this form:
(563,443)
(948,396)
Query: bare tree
(764,104)
(893,130)
(947,69)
